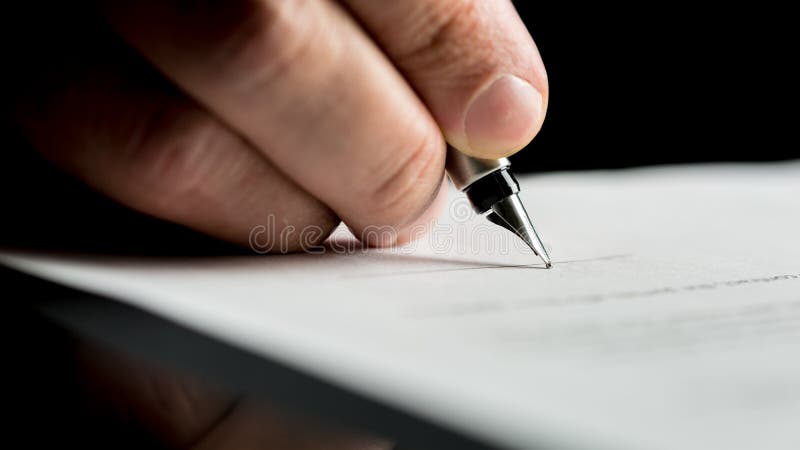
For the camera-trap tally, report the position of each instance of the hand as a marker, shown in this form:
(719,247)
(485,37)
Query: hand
(228,115)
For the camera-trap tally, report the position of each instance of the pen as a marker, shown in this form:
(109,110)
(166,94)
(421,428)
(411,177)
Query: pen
(491,187)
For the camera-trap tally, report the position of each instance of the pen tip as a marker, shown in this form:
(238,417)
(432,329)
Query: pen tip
(546,258)
(511,215)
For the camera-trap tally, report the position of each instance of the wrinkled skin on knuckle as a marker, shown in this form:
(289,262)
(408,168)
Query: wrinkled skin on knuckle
(183,156)
(403,194)
(179,155)
(461,40)
(261,41)
(431,40)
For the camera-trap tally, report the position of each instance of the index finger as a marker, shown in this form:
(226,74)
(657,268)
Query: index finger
(474,64)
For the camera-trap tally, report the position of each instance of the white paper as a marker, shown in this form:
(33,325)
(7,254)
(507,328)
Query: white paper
(670,320)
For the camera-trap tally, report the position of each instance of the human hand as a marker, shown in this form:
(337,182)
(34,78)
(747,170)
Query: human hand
(220,115)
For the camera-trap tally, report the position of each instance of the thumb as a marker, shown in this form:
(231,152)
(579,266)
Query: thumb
(473,63)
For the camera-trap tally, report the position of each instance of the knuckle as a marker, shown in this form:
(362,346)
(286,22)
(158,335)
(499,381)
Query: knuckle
(265,41)
(404,192)
(451,22)
(178,154)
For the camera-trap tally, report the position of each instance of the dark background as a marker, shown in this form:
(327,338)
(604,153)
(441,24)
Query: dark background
(630,85)
(650,83)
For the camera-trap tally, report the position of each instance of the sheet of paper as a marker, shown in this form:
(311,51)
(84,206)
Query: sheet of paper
(670,320)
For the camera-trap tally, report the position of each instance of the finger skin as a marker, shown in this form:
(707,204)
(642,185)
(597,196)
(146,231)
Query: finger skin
(160,153)
(304,84)
(474,64)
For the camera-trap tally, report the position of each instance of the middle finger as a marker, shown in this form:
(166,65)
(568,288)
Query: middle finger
(304,84)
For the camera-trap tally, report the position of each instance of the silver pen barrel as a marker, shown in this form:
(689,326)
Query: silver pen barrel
(491,187)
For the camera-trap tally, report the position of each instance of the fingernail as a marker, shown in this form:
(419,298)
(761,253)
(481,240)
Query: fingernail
(504,117)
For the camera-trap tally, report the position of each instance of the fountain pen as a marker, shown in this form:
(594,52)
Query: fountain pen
(491,187)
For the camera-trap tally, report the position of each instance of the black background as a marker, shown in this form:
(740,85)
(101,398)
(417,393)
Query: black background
(650,83)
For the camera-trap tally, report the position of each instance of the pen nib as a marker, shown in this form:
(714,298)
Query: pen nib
(511,215)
